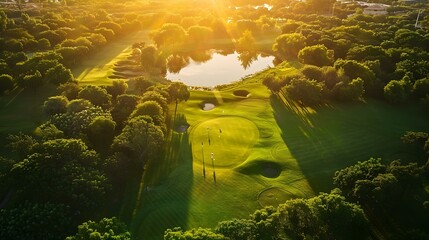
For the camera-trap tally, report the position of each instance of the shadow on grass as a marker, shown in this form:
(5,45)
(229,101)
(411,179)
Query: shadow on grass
(164,200)
(328,138)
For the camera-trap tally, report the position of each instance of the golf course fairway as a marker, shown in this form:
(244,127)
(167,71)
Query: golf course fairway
(266,150)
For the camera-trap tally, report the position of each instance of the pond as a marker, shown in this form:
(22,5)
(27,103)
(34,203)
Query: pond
(221,69)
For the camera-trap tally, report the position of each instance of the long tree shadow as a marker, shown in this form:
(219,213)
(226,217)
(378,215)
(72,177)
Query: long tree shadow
(326,139)
(166,194)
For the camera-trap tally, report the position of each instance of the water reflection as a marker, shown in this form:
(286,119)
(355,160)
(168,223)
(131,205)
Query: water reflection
(176,62)
(211,68)
(247,57)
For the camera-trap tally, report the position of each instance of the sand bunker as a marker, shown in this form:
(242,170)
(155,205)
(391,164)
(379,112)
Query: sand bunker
(241,93)
(208,106)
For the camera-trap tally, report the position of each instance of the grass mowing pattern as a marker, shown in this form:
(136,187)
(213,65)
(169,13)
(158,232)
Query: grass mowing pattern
(228,138)
(98,69)
(307,145)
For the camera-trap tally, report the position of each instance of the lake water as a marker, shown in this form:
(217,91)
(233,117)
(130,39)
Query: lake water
(218,70)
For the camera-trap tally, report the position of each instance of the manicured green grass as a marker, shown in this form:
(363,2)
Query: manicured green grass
(98,68)
(21,111)
(269,150)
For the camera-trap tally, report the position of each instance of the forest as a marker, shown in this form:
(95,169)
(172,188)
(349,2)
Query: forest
(330,141)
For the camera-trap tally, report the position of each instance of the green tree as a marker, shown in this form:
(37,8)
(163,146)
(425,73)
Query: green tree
(246,41)
(31,81)
(149,58)
(193,234)
(397,91)
(36,221)
(21,144)
(70,90)
(125,105)
(61,171)
(105,229)
(321,5)
(55,105)
(199,37)
(346,178)
(157,97)
(96,95)
(177,62)
(76,120)
(308,92)
(238,229)
(313,72)
(421,88)
(354,69)
(101,132)
(317,55)
(6,83)
(59,75)
(178,92)
(170,34)
(349,91)
(150,108)
(287,46)
(117,88)
(140,140)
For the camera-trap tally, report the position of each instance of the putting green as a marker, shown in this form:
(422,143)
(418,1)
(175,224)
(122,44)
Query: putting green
(230,140)
(274,196)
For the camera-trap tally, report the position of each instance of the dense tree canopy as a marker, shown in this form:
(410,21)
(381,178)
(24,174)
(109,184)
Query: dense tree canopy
(61,171)
(287,46)
(106,228)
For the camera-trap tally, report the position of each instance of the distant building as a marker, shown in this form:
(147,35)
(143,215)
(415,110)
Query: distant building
(373,8)
(376,9)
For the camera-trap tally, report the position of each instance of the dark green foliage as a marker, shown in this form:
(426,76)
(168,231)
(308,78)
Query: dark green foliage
(140,140)
(421,88)
(176,62)
(105,229)
(346,178)
(21,144)
(193,234)
(6,83)
(117,88)
(61,171)
(349,91)
(398,91)
(317,55)
(326,216)
(169,34)
(96,95)
(308,92)
(157,97)
(149,108)
(31,81)
(125,105)
(100,133)
(354,69)
(70,90)
(48,131)
(36,221)
(238,229)
(313,72)
(150,58)
(59,75)
(74,123)
(141,84)
(287,46)
(55,105)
